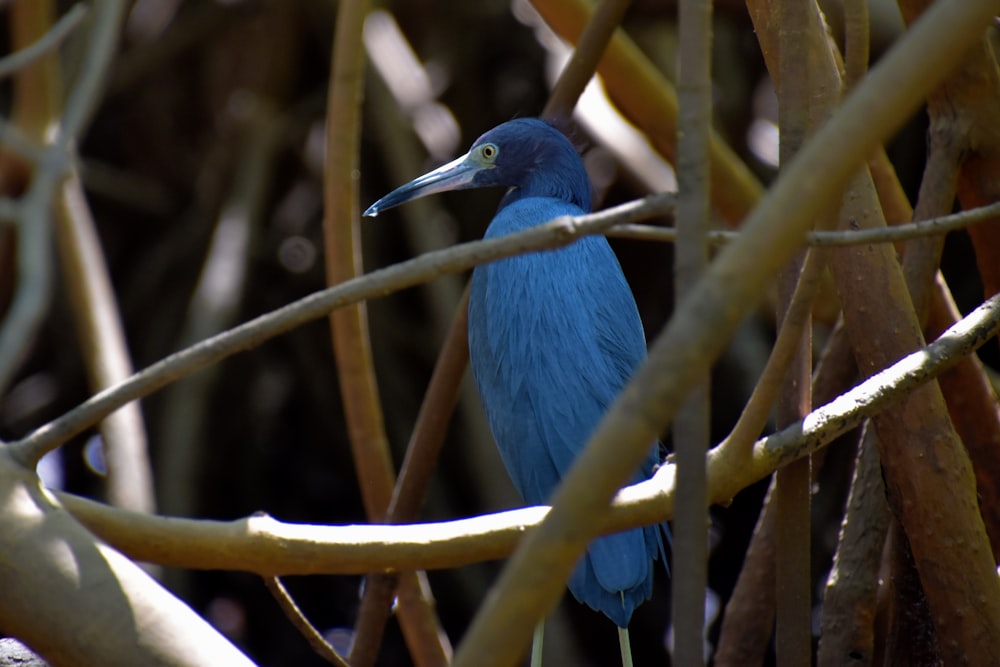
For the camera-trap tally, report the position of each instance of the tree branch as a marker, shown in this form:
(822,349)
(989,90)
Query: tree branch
(268,547)
(51,40)
(554,234)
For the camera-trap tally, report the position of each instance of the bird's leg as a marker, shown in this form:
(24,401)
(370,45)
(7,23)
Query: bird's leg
(536,644)
(623,642)
(625,646)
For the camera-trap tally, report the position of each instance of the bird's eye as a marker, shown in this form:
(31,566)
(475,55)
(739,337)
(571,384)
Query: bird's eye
(489,151)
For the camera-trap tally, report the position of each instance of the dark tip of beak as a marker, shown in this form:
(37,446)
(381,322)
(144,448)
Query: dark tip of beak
(456,175)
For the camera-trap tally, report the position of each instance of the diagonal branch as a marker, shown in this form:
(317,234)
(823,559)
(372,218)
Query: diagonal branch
(554,234)
(268,547)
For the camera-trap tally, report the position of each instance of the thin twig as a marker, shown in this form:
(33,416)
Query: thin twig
(421,459)
(793,325)
(52,39)
(432,420)
(302,624)
(379,283)
(101,334)
(83,100)
(938,185)
(889,234)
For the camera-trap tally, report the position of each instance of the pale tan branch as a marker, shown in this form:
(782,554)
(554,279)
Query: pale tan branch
(556,233)
(269,547)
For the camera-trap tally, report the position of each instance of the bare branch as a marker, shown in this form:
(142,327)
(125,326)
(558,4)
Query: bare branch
(301,623)
(890,234)
(556,233)
(268,547)
(48,42)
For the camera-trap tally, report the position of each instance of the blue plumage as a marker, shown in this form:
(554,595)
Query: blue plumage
(553,338)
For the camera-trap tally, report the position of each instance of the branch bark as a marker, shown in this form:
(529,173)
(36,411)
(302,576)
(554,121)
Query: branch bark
(267,547)
(77,601)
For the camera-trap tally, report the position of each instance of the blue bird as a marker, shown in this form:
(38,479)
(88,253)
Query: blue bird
(553,337)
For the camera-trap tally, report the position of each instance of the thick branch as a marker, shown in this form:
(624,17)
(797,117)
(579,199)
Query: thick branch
(267,547)
(78,602)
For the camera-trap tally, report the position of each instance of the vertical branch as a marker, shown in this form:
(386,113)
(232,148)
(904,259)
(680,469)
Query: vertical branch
(937,195)
(973,407)
(581,66)
(37,98)
(967,390)
(848,635)
(926,467)
(105,351)
(691,430)
(749,619)
(857,41)
(793,638)
(794,323)
(351,343)
(341,234)
(432,420)
(411,488)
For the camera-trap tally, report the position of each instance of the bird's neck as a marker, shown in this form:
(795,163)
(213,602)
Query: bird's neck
(572,188)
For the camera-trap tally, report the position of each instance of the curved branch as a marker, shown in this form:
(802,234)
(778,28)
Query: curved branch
(891,234)
(301,623)
(268,547)
(49,41)
(76,601)
(558,232)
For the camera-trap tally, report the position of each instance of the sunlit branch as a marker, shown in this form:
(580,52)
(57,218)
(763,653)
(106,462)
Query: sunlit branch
(268,547)
(379,283)
(52,39)
(301,623)
(889,234)
(390,279)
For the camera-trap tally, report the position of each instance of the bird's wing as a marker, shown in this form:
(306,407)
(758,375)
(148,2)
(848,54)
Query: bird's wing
(554,336)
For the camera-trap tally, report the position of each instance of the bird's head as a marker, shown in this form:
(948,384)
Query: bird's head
(528,155)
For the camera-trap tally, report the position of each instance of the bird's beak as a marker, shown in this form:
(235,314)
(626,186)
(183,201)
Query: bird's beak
(455,175)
